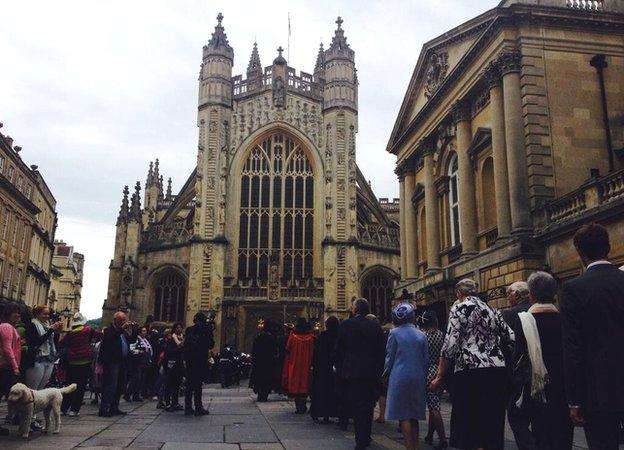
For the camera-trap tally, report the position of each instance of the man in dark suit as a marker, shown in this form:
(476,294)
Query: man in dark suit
(113,356)
(519,418)
(198,341)
(593,338)
(360,355)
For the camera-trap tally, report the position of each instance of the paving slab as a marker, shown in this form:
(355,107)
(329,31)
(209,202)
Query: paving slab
(197,446)
(248,433)
(182,432)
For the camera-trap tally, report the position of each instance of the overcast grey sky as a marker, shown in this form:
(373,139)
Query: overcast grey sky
(94,90)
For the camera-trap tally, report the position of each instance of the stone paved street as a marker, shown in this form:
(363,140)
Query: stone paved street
(235,422)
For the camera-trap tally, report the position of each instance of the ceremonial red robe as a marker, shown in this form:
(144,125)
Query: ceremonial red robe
(297,372)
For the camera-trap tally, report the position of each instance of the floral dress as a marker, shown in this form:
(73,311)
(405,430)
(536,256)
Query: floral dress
(435,339)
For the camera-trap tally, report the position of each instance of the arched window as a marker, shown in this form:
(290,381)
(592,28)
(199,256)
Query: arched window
(453,200)
(276,212)
(488,194)
(377,289)
(169,297)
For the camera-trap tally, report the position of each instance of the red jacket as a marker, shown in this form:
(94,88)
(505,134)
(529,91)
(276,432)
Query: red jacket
(78,344)
(298,364)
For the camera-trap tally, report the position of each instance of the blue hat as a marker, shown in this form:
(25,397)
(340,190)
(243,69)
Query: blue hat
(404,313)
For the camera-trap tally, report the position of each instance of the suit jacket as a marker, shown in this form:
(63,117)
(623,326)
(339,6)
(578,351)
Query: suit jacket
(360,350)
(511,314)
(593,335)
(111,348)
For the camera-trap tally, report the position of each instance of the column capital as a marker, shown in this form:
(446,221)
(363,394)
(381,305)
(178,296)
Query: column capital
(461,111)
(429,145)
(492,75)
(509,61)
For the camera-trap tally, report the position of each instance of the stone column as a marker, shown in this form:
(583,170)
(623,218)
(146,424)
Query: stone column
(432,215)
(509,63)
(499,151)
(402,211)
(410,225)
(465,179)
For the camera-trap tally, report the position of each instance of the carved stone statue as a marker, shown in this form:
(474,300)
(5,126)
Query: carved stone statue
(279,92)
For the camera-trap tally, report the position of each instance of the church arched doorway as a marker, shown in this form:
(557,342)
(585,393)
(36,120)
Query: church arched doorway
(169,296)
(377,288)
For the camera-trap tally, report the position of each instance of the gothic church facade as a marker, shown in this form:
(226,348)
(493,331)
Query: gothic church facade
(275,221)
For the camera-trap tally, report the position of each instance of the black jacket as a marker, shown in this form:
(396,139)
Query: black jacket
(198,341)
(34,341)
(510,315)
(111,348)
(360,351)
(593,336)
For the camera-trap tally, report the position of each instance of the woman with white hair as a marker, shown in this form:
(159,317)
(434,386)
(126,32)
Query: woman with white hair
(539,356)
(475,337)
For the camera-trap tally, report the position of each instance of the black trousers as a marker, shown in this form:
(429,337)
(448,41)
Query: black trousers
(113,384)
(193,388)
(80,375)
(172,389)
(7,380)
(362,394)
(602,430)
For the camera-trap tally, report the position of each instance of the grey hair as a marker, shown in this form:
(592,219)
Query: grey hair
(361,306)
(467,286)
(543,286)
(519,287)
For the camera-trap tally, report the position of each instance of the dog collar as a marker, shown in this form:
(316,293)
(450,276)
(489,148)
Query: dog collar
(32,395)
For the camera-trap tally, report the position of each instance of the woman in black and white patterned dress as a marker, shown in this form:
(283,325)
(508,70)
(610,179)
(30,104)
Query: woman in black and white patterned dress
(435,339)
(474,341)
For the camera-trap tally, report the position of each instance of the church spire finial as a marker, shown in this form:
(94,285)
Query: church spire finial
(339,46)
(280,60)
(218,43)
(319,68)
(156,170)
(254,69)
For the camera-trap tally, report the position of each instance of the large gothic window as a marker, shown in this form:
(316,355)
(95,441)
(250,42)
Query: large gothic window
(276,212)
(377,288)
(169,297)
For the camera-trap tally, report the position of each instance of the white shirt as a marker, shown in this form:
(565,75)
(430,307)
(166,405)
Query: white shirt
(598,263)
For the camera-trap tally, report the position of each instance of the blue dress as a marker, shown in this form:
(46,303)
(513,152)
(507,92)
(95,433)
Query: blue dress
(407,361)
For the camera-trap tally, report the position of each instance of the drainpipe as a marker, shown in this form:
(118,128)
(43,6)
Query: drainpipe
(599,62)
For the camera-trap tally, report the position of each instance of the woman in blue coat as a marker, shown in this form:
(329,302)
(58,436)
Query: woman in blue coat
(407,360)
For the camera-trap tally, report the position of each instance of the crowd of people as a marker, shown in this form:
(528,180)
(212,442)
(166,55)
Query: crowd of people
(546,368)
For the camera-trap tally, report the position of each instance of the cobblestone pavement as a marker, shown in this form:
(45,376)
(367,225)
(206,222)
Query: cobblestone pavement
(236,422)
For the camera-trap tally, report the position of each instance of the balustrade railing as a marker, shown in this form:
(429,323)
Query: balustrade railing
(379,235)
(612,186)
(566,207)
(308,288)
(303,84)
(173,232)
(589,5)
(596,192)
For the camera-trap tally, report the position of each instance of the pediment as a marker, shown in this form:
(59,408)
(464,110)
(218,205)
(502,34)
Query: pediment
(436,63)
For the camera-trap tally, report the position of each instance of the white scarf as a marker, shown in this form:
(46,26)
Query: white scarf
(47,348)
(539,374)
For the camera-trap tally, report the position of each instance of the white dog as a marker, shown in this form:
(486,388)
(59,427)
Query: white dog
(26,402)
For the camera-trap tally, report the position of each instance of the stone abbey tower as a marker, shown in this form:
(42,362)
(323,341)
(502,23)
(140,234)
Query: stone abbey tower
(275,221)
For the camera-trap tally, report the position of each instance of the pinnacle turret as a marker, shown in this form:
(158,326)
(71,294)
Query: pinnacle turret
(168,197)
(135,204)
(319,68)
(218,43)
(156,171)
(150,174)
(339,46)
(254,69)
(124,210)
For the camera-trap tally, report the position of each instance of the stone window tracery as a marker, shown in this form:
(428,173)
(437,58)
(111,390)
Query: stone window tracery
(169,297)
(276,212)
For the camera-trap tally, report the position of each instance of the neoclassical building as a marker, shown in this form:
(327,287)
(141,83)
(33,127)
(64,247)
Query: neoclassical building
(510,136)
(276,220)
